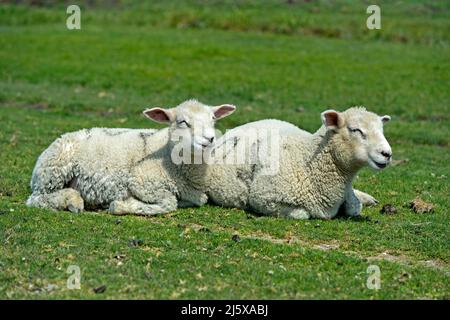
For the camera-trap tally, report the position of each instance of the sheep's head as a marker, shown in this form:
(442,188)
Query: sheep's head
(359,136)
(191,122)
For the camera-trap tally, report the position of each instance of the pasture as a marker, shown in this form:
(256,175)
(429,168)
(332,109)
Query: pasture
(272,60)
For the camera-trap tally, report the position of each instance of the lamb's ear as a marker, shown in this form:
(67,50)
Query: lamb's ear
(160,115)
(332,119)
(385,118)
(223,110)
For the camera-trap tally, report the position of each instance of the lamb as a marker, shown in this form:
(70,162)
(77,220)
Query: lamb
(127,171)
(315,172)
(286,128)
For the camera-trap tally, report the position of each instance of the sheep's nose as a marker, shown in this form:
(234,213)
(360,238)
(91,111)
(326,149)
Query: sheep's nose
(210,139)
(386,154)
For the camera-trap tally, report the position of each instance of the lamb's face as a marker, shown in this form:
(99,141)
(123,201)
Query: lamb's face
(361,133)
(194,125)
(191,123)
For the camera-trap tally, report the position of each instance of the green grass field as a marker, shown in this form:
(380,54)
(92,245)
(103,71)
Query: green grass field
(272,60)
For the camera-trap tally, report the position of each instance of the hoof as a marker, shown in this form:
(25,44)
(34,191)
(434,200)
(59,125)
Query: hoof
(366,199)
(116,208)
(370,201)
(74,202)
(75,209)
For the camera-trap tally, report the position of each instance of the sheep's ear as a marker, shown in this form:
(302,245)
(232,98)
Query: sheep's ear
(385,118)
(160,115)
(223,110)
(332,119)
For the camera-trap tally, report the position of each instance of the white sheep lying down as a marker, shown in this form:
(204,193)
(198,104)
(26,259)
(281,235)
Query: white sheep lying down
(286,128)
(128,171)
(315,172)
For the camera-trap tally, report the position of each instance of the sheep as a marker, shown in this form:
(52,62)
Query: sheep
(284,128)
(127,171)
(315,171)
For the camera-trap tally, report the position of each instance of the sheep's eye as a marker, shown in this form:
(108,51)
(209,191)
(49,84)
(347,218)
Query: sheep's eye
(183,123)
(357,130)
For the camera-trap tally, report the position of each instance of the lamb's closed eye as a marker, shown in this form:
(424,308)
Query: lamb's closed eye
(183,124)
(358,131)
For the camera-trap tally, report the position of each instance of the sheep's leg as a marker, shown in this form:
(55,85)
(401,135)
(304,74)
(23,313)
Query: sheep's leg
(193,198)
(166,203)
(64,199)
(269,207)
(352,205)
(294,213)
(365,199)
(281,211)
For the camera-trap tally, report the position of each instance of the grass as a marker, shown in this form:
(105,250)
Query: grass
(53,80)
